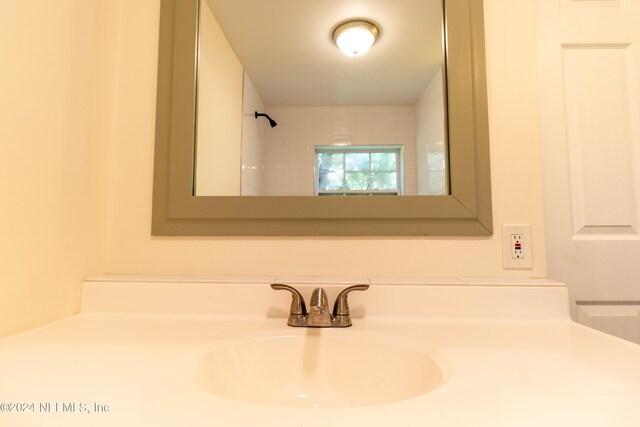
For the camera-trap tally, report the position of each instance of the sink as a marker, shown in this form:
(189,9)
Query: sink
(316,370)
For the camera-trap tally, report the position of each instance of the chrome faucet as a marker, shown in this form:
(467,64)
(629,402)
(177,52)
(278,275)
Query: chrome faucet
(319,315)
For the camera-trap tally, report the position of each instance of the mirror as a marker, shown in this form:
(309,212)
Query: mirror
(373,124)
(463,208)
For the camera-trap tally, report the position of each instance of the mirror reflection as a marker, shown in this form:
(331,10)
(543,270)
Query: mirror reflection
(283,111)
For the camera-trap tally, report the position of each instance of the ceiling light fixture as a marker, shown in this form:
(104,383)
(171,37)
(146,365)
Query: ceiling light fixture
(355,37)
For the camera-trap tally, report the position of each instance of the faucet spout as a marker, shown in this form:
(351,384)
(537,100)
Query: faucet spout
(319,313)
(319,298)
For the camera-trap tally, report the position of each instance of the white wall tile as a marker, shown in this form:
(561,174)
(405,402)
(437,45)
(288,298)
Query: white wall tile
(291,145)
(252,147)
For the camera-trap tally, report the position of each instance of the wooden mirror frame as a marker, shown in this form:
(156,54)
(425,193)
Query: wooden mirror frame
(465,212)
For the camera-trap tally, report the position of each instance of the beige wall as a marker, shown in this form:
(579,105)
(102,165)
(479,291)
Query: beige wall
(514,153)
(57,104)
(77,117)
(219,109)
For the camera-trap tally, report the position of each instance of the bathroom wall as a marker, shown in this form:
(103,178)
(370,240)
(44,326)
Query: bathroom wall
(252,133)
(219,124)
(512,84)
(289,148)
(57,122)
(430,139)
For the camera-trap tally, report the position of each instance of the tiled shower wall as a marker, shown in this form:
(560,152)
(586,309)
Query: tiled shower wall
(252,149)
(289,148)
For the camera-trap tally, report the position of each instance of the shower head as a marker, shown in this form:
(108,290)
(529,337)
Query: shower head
(271,121)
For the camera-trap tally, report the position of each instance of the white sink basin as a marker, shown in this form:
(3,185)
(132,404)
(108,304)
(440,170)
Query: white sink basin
(318,370)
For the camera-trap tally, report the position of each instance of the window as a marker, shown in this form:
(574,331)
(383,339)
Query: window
(348,171)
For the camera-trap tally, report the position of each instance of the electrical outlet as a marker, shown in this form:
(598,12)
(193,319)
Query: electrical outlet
(516,247)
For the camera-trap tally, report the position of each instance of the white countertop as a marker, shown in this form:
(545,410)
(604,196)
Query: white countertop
(534,369)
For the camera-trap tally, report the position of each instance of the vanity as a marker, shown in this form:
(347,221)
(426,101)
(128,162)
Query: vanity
(201,351)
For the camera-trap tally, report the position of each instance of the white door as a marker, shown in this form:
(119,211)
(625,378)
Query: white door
(589,76)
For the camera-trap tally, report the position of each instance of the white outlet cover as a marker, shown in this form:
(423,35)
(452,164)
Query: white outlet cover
(508,262)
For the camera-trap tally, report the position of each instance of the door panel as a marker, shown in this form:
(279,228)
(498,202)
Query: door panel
(590,141)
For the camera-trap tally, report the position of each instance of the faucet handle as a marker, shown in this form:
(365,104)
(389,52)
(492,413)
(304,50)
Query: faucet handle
(341,316)
(298,310)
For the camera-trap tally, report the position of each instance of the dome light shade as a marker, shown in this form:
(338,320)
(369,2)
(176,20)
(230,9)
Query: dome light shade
(355,38)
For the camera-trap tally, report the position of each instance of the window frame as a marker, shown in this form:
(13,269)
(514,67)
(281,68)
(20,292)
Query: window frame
(398,150)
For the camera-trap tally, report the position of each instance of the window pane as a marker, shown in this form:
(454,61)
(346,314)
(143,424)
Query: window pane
(358,180)
(330,162)
(384,181)
(357,161)
(383,161)
(358,170)
(331,181)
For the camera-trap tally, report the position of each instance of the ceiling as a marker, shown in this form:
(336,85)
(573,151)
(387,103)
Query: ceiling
(287,50)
